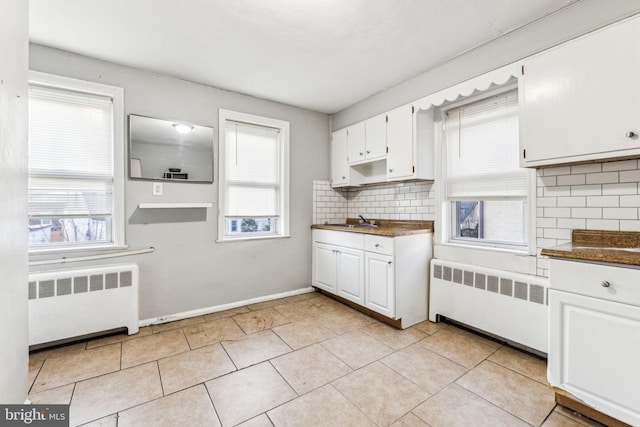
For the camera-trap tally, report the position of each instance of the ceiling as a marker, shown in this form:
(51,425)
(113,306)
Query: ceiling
(323,55)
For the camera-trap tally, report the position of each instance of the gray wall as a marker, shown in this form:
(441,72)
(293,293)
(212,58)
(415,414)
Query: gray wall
(14,331)
(189,270)
(575,20)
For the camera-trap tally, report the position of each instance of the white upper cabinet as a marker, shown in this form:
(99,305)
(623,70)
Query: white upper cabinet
(367,141)
(339,165)
(400,162)
(580,101)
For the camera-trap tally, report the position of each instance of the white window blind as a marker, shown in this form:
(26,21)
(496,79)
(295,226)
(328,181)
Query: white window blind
(251,170)
(482,150)
(71,154)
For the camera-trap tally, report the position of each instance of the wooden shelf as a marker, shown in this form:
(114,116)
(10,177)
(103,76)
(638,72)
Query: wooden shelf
(174,205)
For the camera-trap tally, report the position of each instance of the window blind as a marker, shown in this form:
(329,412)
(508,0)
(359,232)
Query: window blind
(483,151)
(252,170)
(71,153)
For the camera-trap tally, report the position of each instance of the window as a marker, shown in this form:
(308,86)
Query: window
(75,190)
(486,189)
(254,171)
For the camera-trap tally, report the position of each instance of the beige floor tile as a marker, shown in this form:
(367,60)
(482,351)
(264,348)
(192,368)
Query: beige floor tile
(310,368)
(462,347)
(188,369)
(110,421)
(357,349)
(72,367)
(260,421)
(303,333)
(255,348)
(54,396)
(213,332)
(381,393)
(521,396)
(259,320)
(298,310)
(63,350)
(344,320)
(575,417)
(153,347)
(429,327)
(111,393)
(327,304)
(245,394)
(296,298)
(163,327)
(324,407)
(394,338)
(409,420)
(110,339)
(35,364)
(422,366)
(456,407)
(556,419)
(265,304)
(190,407)
(226,313)
(521,362)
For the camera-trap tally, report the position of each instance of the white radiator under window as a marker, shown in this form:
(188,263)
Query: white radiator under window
(70,303)
(508,305)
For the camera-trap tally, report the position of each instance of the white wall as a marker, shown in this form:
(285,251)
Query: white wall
(14,38)
(189,270)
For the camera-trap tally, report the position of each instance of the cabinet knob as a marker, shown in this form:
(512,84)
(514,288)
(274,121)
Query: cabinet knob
(362,154)
(390,170)
(605,284)
(389,262)
(368,152)
(344,177)
(377,245)
(631,134)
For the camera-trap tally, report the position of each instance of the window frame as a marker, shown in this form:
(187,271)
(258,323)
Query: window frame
(283,139)
(46,80)
(488,253)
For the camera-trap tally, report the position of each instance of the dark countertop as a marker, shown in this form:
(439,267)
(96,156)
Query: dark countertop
(616,247)
(385,227)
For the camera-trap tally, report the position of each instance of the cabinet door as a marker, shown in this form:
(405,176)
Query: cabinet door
(578,101)
(351,274)
(594,350)
(400,142)
(376,137)
(356,143)
(380,284)
(339,166)
(325,267)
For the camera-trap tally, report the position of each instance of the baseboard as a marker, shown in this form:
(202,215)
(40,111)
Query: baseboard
(216,308)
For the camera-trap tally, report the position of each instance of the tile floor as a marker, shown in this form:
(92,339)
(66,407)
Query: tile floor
(305,360)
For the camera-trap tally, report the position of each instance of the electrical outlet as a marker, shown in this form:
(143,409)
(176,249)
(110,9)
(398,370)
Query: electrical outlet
(157,189)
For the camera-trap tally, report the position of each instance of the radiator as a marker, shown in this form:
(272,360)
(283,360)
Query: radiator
(70,303)
(508,305)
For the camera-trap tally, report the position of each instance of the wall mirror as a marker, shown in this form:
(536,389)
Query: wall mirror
(169,150)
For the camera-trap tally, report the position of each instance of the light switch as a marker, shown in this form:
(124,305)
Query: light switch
(157,189)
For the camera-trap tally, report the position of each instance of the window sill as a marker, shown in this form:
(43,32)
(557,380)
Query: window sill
(82,249)
(244,239)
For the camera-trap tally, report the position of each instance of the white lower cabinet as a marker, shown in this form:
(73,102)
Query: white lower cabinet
(388,275)
(380,284)
(594,345)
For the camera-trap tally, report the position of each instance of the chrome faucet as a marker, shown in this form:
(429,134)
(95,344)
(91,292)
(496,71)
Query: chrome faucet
(364,220)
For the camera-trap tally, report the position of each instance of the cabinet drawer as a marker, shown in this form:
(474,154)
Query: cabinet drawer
(339,238)
(592,279)
(378,244)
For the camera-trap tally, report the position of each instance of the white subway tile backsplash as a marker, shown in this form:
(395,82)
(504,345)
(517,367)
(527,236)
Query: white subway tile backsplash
(571,223)
(629,201)
(561,170)
(557,191)
(586,190)
(620,165)
(546,222)
(557,233)
(587,168)
(578,179)
(603,224)
(603,201)
(623,188)
(586,213)
(630,176)
(620,213)
(547,181)
(547,202)
(602,178)
(627,225)
(558,212)
(579,202)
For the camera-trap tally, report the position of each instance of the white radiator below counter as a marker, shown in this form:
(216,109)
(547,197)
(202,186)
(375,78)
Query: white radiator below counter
(70,303)
(508,305)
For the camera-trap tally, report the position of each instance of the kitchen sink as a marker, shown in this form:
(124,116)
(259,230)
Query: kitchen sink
(353,225)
